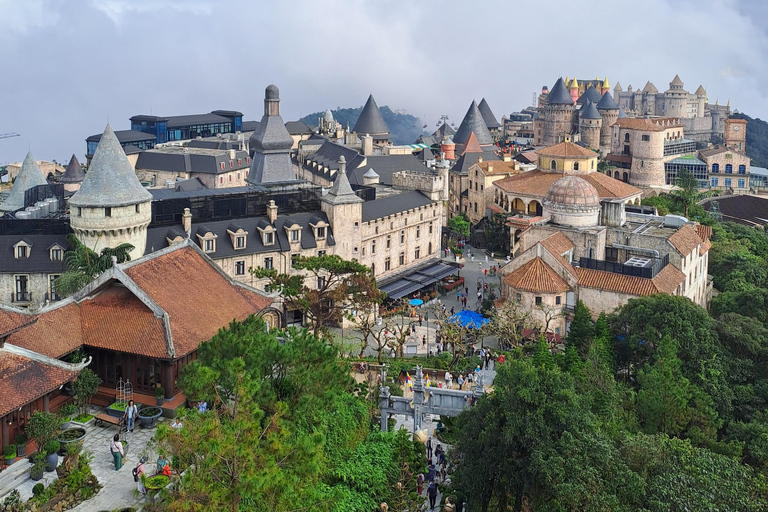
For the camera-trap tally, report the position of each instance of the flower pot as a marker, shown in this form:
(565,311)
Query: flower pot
(36,474)
(117,413)
(70,435)
(149,415)
(51,461)
(8,462)
(160,401)
(21,450)
(66,425)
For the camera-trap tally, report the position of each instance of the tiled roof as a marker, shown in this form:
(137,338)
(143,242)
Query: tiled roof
(473,122)
(74,173)
(11,321)
(567,150)
(703,231)
(488,117)
(56,333)
(707,245)
(589,111)
(559,95)
(498,167)
(536,276)
(557,243)
(472,146)
(23,380)
(665,281)
(648,125)
(527,157)
(685,240)
(537,182)
(668,279)
(607,103)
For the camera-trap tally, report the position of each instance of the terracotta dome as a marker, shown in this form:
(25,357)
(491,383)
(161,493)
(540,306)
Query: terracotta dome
(572,192)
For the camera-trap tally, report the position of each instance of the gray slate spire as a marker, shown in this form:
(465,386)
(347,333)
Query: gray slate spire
(473,122)
(590,94)
(488,117)
(74,173)
(622,114)
(588,111)
(341,192)
(607,103)
(370,120)
(29,176)
(110,181)
(272,144)
(559,94)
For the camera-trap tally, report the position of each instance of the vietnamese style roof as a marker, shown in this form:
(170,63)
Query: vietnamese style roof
(488,117)
(590,94)
(272,144)
(536,183)
(650,88)
(111,180)
(29,177)
(607,102)
(572,192)
(370,120)
(341,192)
(473,122)
(589,111)
(536,276)
(559,94)
(74,173)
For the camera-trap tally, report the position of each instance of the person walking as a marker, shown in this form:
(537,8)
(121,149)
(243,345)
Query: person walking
(432,494)
(424,341)
(460,381)
(429,448)
(487,359)
(116,447)
(486,258)
(130,415)
(138,473)
(453,311)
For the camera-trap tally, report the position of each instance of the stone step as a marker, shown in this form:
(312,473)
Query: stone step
(13,476)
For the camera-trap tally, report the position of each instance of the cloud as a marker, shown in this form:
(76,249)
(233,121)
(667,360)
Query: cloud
(70,66)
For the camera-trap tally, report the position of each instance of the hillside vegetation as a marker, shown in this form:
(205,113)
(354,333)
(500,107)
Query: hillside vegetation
(404,128)
(757,140)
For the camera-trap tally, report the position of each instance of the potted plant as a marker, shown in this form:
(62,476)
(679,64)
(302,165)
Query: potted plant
(160,395)
(21,444)
(117,409)
(51,455)
(42,427)
(149,415)
(9,452)
(68,436)
(66,412)
(38,467)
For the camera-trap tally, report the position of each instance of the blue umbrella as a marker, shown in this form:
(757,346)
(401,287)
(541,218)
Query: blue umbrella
(416,302)
(468,318)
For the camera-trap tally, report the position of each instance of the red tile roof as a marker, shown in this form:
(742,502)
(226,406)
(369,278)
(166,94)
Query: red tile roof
(537,182)
(703,231)
(665,281)
(685,240)
(567,150)
(56,333)
(536,276)
(472,145)
(648,125)
(557,244)
(11,321)
(23,380)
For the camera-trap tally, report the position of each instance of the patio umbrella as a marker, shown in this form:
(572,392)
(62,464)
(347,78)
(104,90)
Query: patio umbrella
(416,302)
(468,318)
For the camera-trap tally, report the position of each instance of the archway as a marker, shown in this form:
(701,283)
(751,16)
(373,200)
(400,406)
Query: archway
(534,208)
(625,177)
(553,165)
(616,175)
(518,205)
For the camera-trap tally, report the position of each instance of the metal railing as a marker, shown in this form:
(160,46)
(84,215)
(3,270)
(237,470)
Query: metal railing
(21,297)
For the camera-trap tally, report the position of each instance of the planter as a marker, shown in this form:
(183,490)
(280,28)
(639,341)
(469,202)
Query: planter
(117,409)
(155,483)
(21,450)
(160,401)
(8,462)
(66,425)
(36,473)
(71,435)
(149,415)
(51,461)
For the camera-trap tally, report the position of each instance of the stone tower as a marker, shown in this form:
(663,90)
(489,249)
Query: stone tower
(111,207)
(590,123)
(343,205)
(609,111)
(701,100)
(29,176)
(558,114)
(675,99)
(272,144)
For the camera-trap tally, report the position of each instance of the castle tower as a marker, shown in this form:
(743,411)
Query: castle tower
(574,90)
(558,114)
(609,111)
(272,144)
(342,204)
(488,116)
(473,122)
(111,207)
(736,134)
(73,176)
(371,122)
(29,176)
(606,87)
(590,123)
(675,99)
(701,101)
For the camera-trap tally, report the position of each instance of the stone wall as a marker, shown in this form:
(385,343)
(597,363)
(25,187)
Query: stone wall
(98,228)
(428,182)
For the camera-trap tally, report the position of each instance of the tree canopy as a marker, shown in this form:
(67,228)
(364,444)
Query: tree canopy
(83,265)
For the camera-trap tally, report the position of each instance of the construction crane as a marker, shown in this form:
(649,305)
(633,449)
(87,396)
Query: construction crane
(9,134)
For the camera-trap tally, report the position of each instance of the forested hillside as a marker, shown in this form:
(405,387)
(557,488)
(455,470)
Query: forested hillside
(757,140)
(404,128)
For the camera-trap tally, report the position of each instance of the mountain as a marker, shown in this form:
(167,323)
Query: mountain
(757,140)
(404,128)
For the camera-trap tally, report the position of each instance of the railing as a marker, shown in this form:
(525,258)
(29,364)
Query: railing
(629,270)
(21,297)
(53,297)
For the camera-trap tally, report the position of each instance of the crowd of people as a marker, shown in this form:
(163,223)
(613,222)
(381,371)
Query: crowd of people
(437,469)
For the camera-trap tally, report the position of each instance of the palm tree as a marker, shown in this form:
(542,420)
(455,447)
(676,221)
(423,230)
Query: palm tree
(687,192)
(83,265)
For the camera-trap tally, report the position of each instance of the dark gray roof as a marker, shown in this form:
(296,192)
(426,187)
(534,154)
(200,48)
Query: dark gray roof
(444,131)
(425,139)
(467,160)
(250,126)
(156,237)
(328,156)
(341,192)
(589,111)
(110,181)
(193,119)
(622,114)
(380,208)
(29,176)
(297,128)
(370,120)
(490,119)
(126,136)
(559,94)
(473,122)
(206,161)
(425,154)
(130,149)
(39,259)
(607,103)
(271,144)
(590,94)
(74,173)
(189,185)
(385,165)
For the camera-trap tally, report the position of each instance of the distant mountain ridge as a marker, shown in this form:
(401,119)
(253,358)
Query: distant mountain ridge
(757,139)
(404,128)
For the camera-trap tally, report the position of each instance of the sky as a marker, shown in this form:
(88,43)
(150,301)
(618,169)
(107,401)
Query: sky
(67,67)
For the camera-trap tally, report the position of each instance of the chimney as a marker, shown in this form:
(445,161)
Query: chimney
(367,147)
(272,211)
(480,160)
(186,222)
(490,168)
(507,157)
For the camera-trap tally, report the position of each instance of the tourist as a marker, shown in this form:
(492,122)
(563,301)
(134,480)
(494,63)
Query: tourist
(449,379)
(487,359)
(432,494)
(420,483)
(432,471)
(421,319)
(453,311)
(460,381)
(138,473)
(485,271)
(202,406)
(162,462)
(116,447)
(486,258)
(429,448)
(466,291)
(176,424)
(482,353)
(424,341)
(130,415)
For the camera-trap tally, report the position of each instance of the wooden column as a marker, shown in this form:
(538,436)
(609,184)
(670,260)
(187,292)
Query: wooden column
(166,370)
(4,438)
(46,404)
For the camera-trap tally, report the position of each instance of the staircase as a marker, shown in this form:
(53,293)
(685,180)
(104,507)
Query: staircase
(479,240)
(13,476)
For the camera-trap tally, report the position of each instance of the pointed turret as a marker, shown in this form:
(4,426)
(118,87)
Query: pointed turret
(617,87)
(607,102)
(271,144)
(73,176)
(559,94)
(371,122)
(341,192)
(589,111)
(575,83)
(29,176)
(472,146)
(605,87)
(650,88)
(676,81)
(622,114)
(488,117)
(700,91)
(473,122)
(590,94)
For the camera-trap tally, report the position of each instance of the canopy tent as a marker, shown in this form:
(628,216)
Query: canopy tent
(468,318)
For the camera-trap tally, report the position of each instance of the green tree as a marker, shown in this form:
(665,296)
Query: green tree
(687,192)
(333,284)
(42,427)
(459,225)
(84,388)
(83,265)
(581,330)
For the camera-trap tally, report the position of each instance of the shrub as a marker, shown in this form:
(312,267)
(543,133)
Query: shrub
(10,451)
(21,439)
(42,427)
(52,446)
(160,392)
(38,489)
(68,410)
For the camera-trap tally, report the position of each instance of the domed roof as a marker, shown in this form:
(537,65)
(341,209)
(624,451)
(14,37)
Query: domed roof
(328,116)
(272,92)
(572,193)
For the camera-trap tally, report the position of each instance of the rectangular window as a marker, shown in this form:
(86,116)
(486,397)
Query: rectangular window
(320,232)
(52,280)
(402,258)
(294,259)
(389,241)
(240,268)
(646,138)
(210,246)
(79,211)
(269,238)
(56,254)
(239,163)
(715,182)
(138,208)
(418,231)
(727,182)
(320,282)
(518,297)
(22,289)
(268,263)
(222,166)
(430,228)
(373,247)
(611,254)
(231,164)
(294,235)
(742,183)
(402,237)
(558,300)
(21,251)
(108,211)
(239,242)
(387,264)
(320,253)
(417,253)
(538,301)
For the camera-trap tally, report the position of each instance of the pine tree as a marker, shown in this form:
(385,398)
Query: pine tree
(581,330)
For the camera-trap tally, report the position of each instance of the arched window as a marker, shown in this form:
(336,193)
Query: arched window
(625,178)
(742,169)
(373,269)
(575,166)
(553,165)
(715,168)
(728,169)
(626,137)
(616,175)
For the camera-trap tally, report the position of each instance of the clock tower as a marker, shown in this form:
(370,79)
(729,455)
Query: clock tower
(736,134)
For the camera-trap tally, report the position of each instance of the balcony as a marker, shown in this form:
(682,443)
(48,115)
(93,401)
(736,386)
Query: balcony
(21,297)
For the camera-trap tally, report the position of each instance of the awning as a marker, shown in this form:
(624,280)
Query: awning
(401,288)
(417,280)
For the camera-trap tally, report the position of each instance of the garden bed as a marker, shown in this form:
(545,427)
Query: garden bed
(117,409)
(448,286)
(82,420)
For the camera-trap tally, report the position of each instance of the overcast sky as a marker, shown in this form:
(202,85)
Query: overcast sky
(67,67)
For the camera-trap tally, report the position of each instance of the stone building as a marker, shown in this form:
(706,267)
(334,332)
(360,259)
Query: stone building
(47,168)
(215,168)
(480,179)
(735,136)
(727,169)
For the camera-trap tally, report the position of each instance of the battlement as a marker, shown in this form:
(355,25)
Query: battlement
(426,181)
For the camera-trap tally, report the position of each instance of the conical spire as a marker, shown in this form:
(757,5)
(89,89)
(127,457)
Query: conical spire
(271,144)
(473,122)
(588,111)
(370,120)
(74,173)
(488,117)
(111,181)
(676,81)
(590,94)
(341,192)
(607,102)
(559,94)
(472,146)
(29,176)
